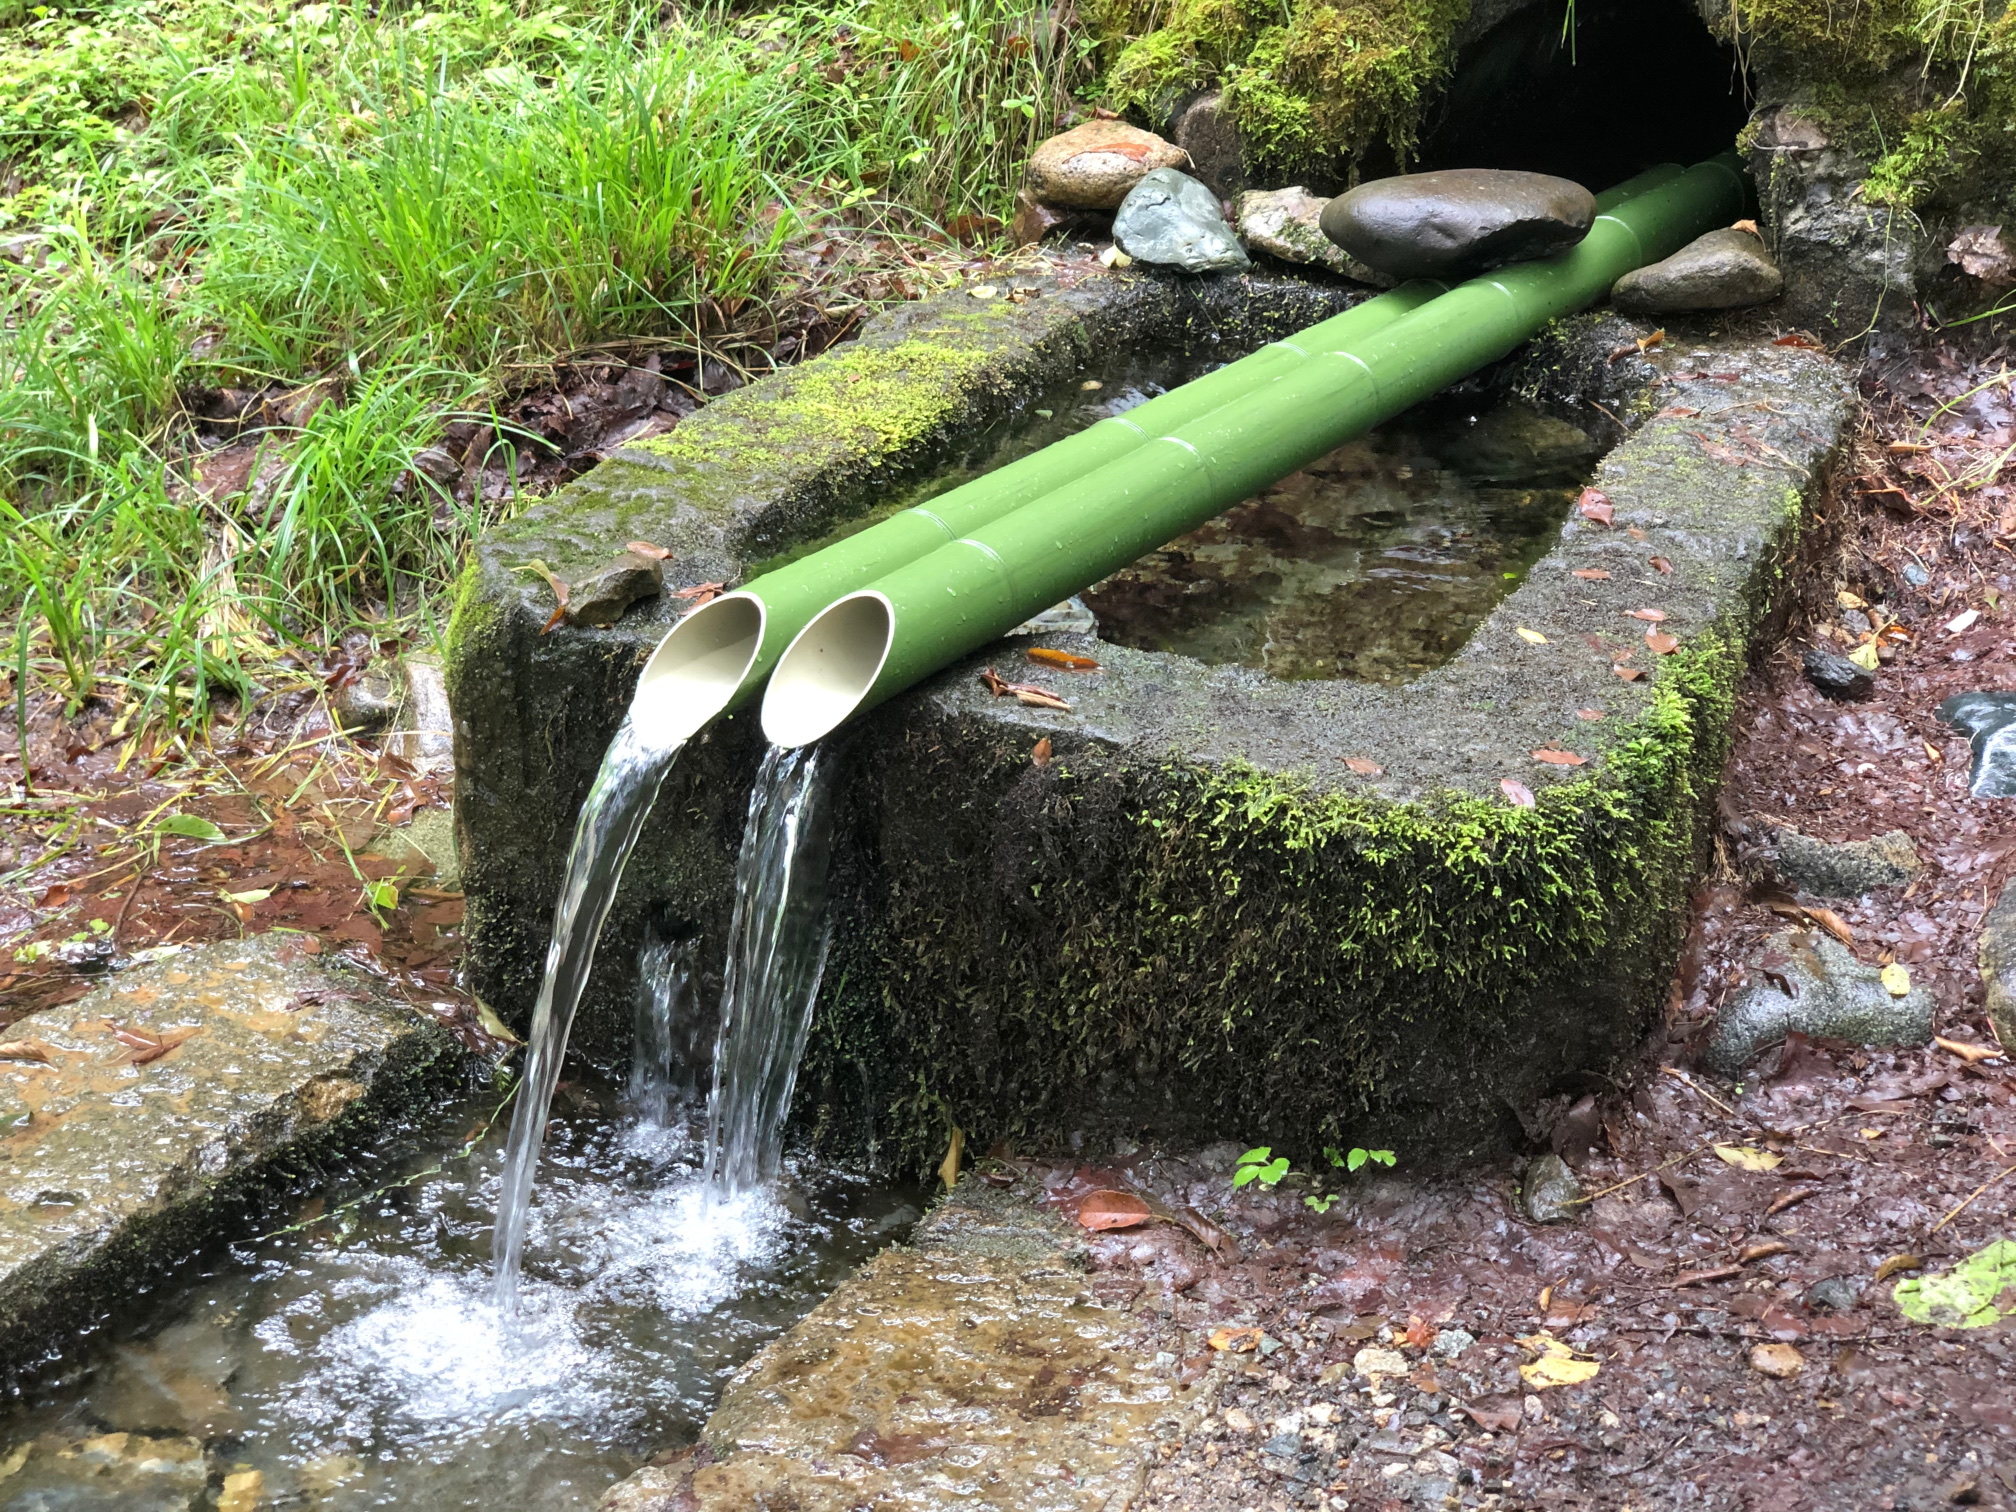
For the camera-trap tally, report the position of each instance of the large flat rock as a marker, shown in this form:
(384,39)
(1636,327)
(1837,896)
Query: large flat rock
(149,1113)
(973,1368)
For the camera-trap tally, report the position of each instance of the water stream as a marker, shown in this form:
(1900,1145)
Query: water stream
(776,956)
(633,769)
(664,999)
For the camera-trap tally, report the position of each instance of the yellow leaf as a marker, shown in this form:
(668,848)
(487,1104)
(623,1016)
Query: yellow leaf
(1746,1159)
(1864,656)
(256,895)
(1532,635)
(1849,600)
(1556,1365)
(494,1026)
(948,1169)
(1896,980)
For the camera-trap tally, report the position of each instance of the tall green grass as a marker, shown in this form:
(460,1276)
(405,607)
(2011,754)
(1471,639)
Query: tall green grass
(403,204)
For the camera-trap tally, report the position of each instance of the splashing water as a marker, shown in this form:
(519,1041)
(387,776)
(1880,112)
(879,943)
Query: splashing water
(776,955)
(664,986)
(632,771)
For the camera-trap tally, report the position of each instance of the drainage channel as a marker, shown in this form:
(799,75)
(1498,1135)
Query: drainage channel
(360,1360)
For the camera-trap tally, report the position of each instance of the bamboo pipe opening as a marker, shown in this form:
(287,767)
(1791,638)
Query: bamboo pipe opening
(698,667)
(827,672)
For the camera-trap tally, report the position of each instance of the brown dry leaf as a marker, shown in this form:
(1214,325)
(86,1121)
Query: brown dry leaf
(30,1051)
(1595,505)
(1676,412)
(1781,1362)
(1555,1364)
(1591,574)
(948,1168)
(1933,753)
(1588,713)
(1520,794)
(1494,1414)
(1896,1265)
(1111,1209)
(1041,755)
(1237,1340)
(1805,343)
(700,594)
(148,1053)
(1661,643)
(1702,1277)
(1662,564)
(1790,1199)
(646,549)
(1745,1158)
(1629,674)
(1747,225)
(1650,616)
(1764,1251)
(993,683)
(1646,343)
(1067,660)
(1556,757)
(1833,923)
(1420,1333)
(1037,698)
(1363,767)
(1968,1053)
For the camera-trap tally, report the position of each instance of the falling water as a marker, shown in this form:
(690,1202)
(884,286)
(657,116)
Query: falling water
(632,770)
(664,982)
(776,954)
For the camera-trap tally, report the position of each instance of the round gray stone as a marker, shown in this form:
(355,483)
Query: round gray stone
(1724,270)
(1458,221)
(1171,219)
(1550,1193)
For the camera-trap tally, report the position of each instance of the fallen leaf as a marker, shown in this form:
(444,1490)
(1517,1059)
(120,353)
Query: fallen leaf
(1494,1414)
(256,895)
(1833,923)
(1969,1053)
(1781,1362)
(1676,412)
(1897,1265)
(1657,338)
(1065,659)
(1962,622)
(30,1051)
(1629,674)
(1849,600)
(1896,980)
(494,1026)
(1591,574)
(1237,1340)
(146,1054)
(1554,757)
(948,1168)
(1650,616)
(1747,225)
(1933,753)
(1764,1251)
(1041,755)
(993,682)
(1520,794)
(1420,1333)
(1111,1209)
(1789,1199)
(1035,697)
(1531,635)
(1744,1158)
(646,549)
(1556,1365)
(700,594)
(1967,1296)
(1588,713)
(1805,343)
(190,825)
(1701,1277)
(1662,564)
(1363,767)
(1661,643)
(1865,657)
(1595,505)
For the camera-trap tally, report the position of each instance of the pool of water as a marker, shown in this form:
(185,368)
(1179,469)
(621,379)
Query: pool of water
(1377,562)
(358,1362)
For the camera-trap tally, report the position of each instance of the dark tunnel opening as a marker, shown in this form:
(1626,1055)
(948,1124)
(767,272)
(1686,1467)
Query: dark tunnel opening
(1638,82)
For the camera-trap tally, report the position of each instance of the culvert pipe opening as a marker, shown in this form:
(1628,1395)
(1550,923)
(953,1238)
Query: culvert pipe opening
(697,669)
(829,670)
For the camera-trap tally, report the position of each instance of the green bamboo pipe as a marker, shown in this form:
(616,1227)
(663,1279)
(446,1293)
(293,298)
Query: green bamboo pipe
(713,657)
(881,639)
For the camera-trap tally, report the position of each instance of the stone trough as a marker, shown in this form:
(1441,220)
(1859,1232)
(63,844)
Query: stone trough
(1225,906)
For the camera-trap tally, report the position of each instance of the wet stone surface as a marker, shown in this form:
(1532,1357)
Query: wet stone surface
(1458,221)
(1171,220)
(142,1110)
(1724,270)
(1989,720)
(975,1368)
(1808,982)
(1844,868)
(1998,965)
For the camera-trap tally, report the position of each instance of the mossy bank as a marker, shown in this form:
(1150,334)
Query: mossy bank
(1196,919)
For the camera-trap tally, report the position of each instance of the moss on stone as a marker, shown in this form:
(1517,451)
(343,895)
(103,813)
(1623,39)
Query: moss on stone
(1321,80)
